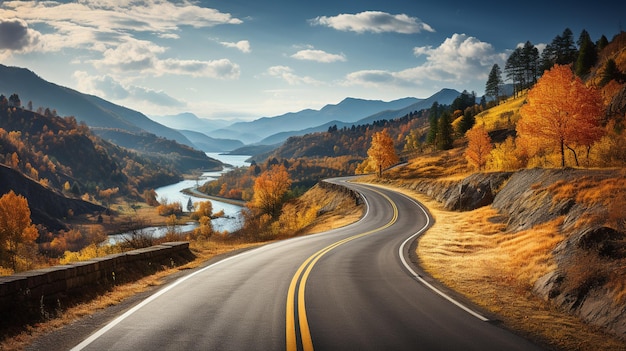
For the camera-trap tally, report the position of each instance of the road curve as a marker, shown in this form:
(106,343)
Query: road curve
(346,289)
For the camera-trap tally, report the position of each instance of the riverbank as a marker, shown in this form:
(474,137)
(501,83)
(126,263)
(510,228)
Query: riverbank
(195,193)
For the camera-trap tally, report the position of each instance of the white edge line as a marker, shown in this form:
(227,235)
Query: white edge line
(119,319)
(421,280)
(418,277)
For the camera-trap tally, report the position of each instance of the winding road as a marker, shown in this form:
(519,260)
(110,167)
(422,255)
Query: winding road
(352,288)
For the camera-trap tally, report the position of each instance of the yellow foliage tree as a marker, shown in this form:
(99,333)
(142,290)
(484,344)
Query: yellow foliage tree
(382,153)
(205,229)
(203,209)
(561,112)
(17,233)
(478,147)
(269,189)
(506,157)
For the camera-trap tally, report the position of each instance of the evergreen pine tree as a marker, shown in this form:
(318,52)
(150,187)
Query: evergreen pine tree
(494,82)
(445,132)
(587,54)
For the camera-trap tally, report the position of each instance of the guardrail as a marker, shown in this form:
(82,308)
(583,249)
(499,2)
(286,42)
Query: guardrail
(32,294)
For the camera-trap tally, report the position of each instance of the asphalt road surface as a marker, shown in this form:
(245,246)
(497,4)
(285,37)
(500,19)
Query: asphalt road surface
(348,289)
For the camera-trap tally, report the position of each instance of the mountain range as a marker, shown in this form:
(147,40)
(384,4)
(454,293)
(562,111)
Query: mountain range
(203,134)
(94,111)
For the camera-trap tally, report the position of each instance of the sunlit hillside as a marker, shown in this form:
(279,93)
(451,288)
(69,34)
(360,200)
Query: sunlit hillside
(502,116)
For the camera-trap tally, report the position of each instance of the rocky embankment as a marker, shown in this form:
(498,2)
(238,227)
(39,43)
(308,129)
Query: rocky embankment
(590,275)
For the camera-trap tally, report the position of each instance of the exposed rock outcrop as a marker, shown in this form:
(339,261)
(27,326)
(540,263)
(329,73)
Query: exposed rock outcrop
(591,258)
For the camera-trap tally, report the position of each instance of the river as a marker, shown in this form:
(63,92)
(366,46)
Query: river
(173,193)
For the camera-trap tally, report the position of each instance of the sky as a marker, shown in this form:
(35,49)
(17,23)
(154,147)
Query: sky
(246,59)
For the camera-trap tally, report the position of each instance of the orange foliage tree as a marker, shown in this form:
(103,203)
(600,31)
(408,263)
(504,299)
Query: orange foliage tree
(561,112)
(269,189)
(382,153)
(17,233)
(478,147)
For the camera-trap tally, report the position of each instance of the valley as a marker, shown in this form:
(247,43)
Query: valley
(525,184)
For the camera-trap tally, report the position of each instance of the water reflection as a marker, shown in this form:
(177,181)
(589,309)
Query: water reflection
(173,193)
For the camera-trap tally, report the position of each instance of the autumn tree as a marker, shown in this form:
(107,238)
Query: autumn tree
(562,112)
(270,188)
(479,146)
(17,233)
(203,209)
(413,141)
(382,153)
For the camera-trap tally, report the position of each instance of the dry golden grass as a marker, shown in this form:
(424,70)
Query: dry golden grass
(339,211)
(495,269)
(498,116)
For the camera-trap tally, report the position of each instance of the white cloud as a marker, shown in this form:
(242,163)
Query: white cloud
(373,21)
(107,87)
(286,73)
(458,61)
(242,45)
(143,57)
(318,55)
(16,36)
(220,69)
(78,25)
(104,86)
(136,55)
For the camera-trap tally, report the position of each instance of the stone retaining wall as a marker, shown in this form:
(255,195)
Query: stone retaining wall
(30,294)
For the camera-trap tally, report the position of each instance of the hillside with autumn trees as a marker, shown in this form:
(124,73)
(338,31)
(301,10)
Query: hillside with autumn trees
(63,170)
(541,170)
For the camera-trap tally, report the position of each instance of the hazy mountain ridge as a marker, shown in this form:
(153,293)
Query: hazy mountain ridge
(348,110)
(218,135)
(443,97)
(94,111)
(208,144)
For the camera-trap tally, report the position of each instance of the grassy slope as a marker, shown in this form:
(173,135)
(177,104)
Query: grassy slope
(476,256)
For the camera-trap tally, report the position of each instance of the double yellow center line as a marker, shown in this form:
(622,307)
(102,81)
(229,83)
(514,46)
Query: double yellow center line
(295,295)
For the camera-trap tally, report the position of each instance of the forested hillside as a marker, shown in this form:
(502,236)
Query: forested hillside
(58,151)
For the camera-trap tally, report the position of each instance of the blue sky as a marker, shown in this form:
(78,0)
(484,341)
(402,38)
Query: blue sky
(248,59)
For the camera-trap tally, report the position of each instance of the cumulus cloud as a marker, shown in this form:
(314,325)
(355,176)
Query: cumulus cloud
(136,55)
(81,23)
(143,57)
(104,86)
(107,87)
(318,55)
(458,60)
(373,21)
(242,45)
(16,36)
(286,73)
